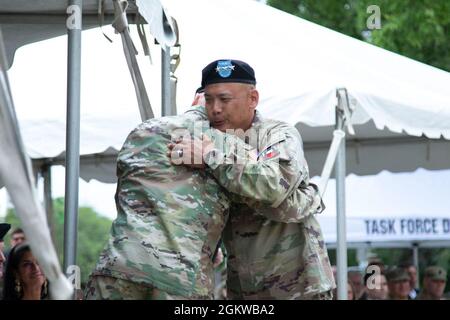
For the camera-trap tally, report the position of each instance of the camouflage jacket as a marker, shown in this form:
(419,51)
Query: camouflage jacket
(169,218)
(276,250)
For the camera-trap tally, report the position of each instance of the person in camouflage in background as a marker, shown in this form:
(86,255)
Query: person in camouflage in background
(275,246)
(434,281)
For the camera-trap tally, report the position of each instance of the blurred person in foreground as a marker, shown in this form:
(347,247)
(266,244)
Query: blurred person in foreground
(4,228)
(17,237)
(24,279)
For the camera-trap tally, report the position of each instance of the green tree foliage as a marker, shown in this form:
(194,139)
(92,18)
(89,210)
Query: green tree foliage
(351,257)
(93,232)
(416,29)
(339,15)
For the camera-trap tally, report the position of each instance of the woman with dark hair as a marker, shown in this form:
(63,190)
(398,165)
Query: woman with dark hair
(24,279)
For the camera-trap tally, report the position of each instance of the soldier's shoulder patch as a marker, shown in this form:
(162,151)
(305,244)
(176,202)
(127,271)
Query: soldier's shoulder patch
(269,153)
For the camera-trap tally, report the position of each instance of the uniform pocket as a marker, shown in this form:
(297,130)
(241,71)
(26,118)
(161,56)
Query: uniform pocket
(280,277)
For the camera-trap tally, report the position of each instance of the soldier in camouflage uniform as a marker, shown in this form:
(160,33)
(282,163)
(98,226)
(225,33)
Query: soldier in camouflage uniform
(168,224)
(434,281)
(398,283)
(275,245)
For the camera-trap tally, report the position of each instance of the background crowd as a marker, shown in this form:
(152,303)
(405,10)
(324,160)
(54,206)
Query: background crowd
(380,282)
(22,279)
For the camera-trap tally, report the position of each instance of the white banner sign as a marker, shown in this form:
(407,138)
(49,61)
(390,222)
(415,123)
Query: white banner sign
(376,229)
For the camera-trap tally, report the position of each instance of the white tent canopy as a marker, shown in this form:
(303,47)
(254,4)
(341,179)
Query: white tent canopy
(298,67)
(300,64)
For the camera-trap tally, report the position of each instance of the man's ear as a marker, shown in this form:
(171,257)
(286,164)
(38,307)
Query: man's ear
(254,98)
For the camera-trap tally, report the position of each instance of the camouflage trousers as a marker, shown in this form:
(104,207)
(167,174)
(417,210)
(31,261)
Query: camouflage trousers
(108,288)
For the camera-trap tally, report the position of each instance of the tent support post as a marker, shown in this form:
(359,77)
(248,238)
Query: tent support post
(341,249)
(73,134)
(416,261)
(165,82)
(48,202)
(361,256)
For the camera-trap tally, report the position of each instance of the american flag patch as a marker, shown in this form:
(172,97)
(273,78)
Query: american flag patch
(269,153)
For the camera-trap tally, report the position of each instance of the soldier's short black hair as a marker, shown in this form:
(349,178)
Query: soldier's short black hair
(17,230)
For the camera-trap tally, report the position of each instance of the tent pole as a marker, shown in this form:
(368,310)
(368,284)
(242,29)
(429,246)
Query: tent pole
(341,249)
(165,82)
(361,256)
(48,202)
(416,262)
(73,133)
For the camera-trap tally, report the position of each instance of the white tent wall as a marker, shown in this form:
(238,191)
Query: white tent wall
(299,65)
(370,150)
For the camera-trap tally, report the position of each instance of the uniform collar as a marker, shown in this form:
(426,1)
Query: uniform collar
(257,119)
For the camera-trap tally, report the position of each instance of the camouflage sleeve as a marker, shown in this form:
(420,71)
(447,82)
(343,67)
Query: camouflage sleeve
(300,204)
(268,177)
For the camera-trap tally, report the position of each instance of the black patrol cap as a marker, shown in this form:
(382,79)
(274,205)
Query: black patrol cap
(227,70)
(4,228)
